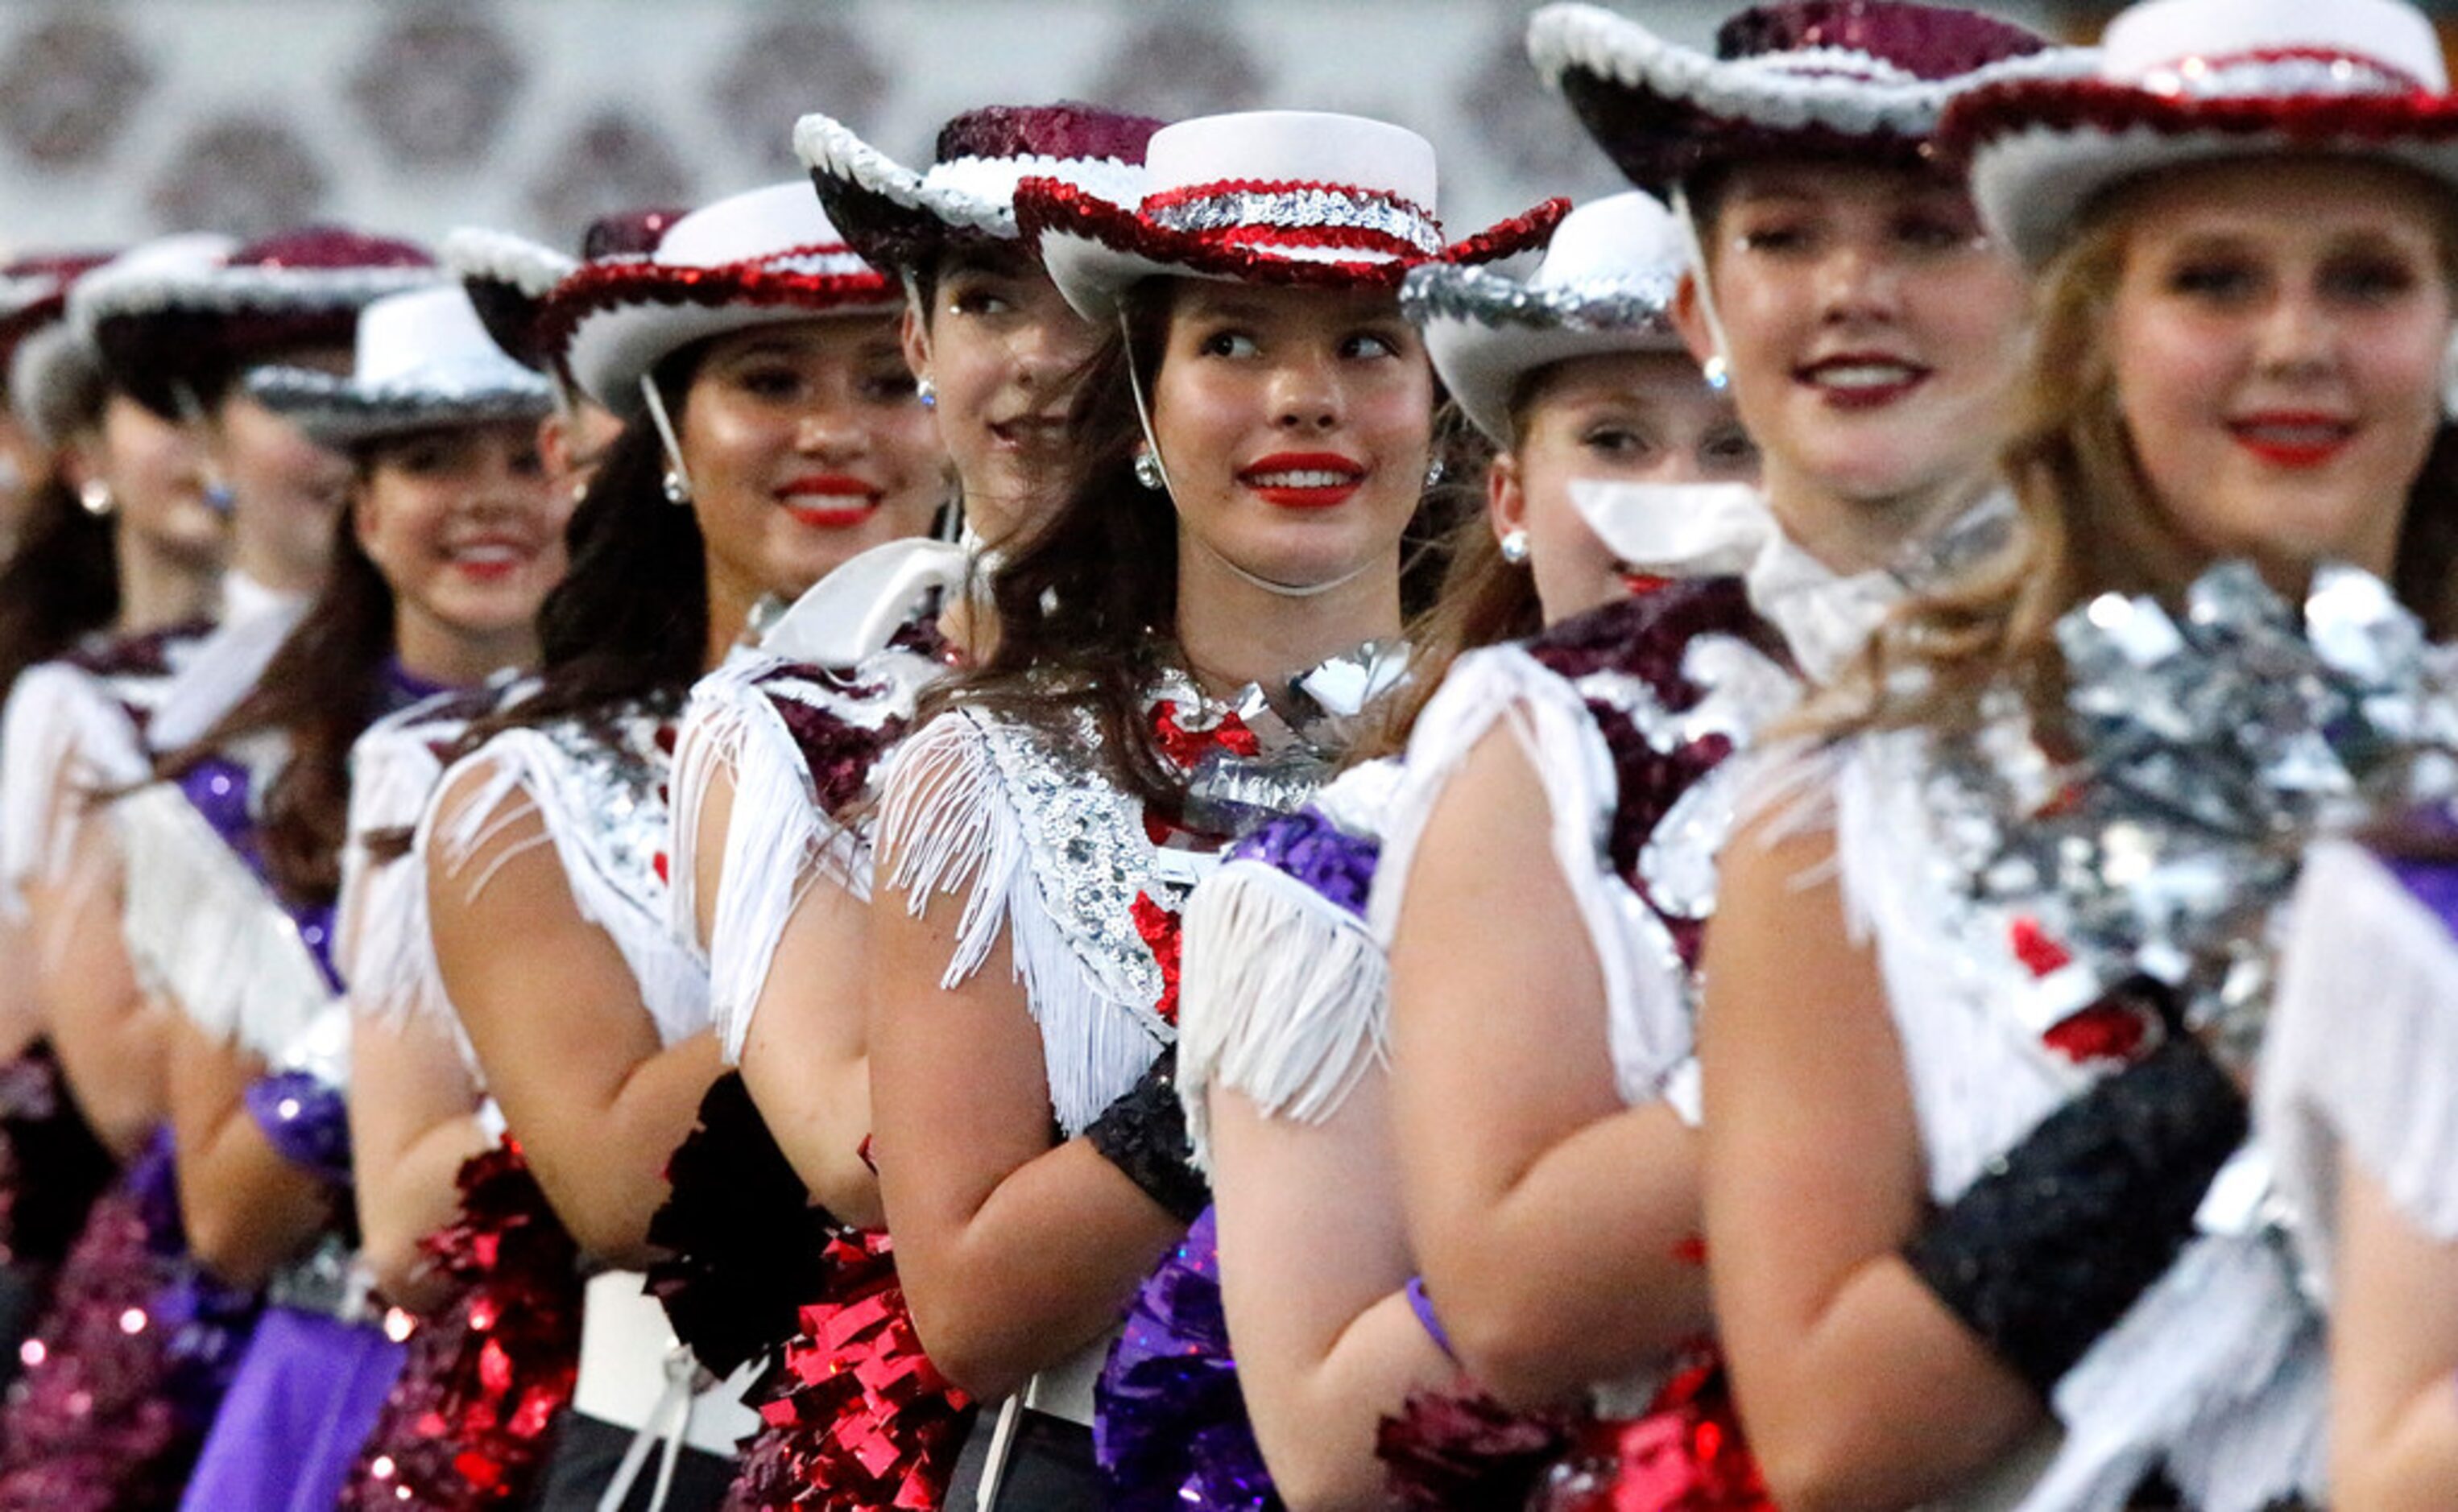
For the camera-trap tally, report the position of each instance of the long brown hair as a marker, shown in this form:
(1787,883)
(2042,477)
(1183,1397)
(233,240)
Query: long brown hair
(1086,606)
(629,621)
(2090,521)
(321,691)
(60,584)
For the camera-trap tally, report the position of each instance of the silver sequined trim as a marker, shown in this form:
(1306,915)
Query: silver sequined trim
(1298,209)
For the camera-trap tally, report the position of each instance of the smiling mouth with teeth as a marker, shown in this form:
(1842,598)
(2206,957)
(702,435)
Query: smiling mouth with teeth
(1858,383)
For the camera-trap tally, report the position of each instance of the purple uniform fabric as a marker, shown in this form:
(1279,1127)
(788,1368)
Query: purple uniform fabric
(306,1396)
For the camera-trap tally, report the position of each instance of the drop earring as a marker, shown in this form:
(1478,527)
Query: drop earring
(926,391)
(1514,546)
(94,496)
(1147,471)
(1434,471)
(678,490)
(1717,373)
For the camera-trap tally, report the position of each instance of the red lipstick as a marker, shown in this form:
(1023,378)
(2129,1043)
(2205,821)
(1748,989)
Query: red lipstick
(1862,380)
(1303,480)
(2295,439)
(856,500)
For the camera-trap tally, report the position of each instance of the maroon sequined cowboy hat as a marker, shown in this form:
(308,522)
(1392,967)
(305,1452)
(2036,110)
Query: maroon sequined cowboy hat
(902,219)
(1863,80)
(177,336)
(509,277)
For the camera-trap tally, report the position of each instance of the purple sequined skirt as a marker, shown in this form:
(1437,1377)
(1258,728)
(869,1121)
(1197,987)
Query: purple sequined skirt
(124,1372)
(1170,1428)
(306,1396)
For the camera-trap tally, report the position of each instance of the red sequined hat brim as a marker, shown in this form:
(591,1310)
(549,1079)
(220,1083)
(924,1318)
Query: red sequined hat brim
(2356,122)
(2041,153)
(598,288)
(672,306)
(1047,207)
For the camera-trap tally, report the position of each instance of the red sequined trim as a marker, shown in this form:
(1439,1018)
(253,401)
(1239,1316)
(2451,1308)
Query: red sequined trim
(599,286)
(2003,110)
(1160,930)
(2104,1032)
(1048,206)
(1184,744)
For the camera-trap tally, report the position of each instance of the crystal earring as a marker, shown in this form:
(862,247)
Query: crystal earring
(678,491)
(926,391)
(1514,546)
(1434,471)
(1718,372)
(1147,471)
(94,496)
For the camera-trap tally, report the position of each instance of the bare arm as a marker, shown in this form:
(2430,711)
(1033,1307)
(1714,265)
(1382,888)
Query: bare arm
(413,1124)
(1314,1251)
(21,1002)
(109,1035)
(1859,1389)
(2395,1353)
(805,1059)
(1552,1222)
(569,1049)
(247,1209)
(1014,1254)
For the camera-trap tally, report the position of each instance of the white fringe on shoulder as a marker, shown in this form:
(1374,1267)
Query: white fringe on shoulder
(62,739)
(2362,1050)
(203,931)
(775,837)
(523,777)
(1647,1006)
(953,826)
(1283,995)
(383,946)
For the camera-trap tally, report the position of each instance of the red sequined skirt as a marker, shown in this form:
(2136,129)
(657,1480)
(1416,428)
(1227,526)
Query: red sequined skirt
(854,1415)
(1685,1454)
(466,1426)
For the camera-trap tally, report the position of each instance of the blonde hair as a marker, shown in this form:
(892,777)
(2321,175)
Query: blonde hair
(2089,521)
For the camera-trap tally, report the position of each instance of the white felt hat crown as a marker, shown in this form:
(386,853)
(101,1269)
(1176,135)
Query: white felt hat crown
(1269,197)
(2182,81)
(762,258)
(422,359)
(1606,285)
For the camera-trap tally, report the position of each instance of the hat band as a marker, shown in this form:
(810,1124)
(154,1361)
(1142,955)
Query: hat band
(1271,215)
(2278,74)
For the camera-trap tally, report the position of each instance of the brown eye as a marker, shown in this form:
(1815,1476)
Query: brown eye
(2367,280)
(2214,278)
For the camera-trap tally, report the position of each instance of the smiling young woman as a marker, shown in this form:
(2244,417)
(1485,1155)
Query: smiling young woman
(1249,447)
(2238,355)
(452,540)
(754,359)
(776,767)
(1574,372)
